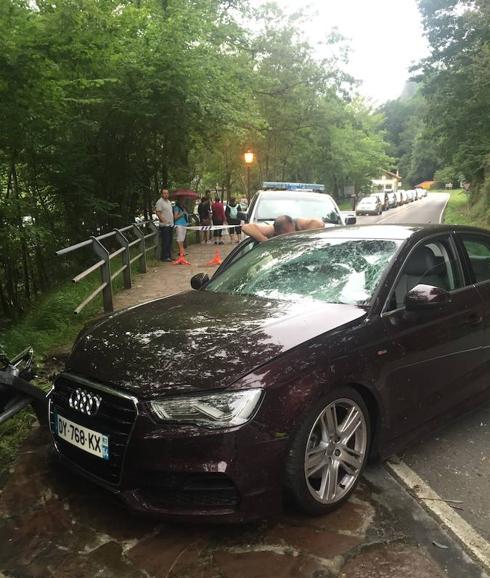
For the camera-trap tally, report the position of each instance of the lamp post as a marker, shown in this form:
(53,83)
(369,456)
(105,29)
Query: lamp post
(249,159)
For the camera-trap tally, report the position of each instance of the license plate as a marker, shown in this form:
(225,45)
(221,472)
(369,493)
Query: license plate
(86,439)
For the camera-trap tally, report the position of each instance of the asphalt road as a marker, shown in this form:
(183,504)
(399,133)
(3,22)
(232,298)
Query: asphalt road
(426,210)
(455,462)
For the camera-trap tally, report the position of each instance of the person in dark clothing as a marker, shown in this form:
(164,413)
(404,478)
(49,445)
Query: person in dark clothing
(232,212)
(218,219)
(204,211)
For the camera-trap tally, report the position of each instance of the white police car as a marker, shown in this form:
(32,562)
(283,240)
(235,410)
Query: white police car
(298,200)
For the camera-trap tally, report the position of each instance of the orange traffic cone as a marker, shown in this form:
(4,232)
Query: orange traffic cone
(181,260)
(216,260)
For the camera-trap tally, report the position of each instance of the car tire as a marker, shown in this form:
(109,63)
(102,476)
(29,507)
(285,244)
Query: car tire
(333,440)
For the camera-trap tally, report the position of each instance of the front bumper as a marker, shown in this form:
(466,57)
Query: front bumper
(185,473)
(227,476)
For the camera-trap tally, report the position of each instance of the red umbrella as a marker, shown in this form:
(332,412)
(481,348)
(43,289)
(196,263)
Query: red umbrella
(184,194)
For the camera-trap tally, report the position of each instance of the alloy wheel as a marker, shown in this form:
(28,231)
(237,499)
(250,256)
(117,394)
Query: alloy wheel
(335,451)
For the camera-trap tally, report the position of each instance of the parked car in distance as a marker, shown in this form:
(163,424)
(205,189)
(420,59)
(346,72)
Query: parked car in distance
(400,197)
(369,206)
(383,199)
(298,200)
(392,200)
(410,196)
(282,374)
(421,192)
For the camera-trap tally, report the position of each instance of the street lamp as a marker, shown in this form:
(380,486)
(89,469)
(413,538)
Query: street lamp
(249,159)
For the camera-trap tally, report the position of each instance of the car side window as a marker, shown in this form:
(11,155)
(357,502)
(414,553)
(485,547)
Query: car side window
(242,249)
(430,263)
(478,249)
(333,217)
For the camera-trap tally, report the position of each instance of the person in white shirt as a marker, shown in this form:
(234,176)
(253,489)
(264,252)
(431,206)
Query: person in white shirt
(165,215)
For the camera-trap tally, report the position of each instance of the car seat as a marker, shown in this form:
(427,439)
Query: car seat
(423,267)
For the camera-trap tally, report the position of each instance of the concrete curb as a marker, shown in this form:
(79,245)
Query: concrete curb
(441,217)
(473,543)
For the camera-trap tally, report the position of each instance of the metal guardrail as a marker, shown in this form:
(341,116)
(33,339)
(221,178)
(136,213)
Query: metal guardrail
(105,258)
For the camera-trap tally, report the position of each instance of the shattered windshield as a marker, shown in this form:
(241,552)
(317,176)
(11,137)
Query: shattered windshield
(302,267)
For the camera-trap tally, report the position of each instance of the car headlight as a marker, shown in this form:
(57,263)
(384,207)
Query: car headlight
(217,410)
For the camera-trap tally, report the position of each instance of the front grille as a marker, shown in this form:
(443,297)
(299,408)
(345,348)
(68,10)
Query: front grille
(167,490)
(115,419)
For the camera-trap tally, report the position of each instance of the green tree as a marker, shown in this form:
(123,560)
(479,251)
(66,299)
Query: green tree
(456,78)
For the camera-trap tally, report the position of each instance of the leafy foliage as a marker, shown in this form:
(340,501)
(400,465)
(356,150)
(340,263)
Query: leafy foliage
(457,80)
(444,127)
(102,101)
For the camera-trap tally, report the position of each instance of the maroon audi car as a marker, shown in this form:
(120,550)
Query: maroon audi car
(280,375)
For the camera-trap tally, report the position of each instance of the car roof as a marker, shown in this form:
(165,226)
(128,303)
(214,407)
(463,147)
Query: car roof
(294,194)
(394,232)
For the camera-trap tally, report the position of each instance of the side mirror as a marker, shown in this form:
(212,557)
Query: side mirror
(426,297)
(350,220)
(199,280)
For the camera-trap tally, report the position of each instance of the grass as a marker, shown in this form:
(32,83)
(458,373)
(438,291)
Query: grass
(50,324)
(459,211)
(345,205)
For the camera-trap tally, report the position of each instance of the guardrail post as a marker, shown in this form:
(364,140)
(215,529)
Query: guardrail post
(156,230)
(105,272)
(123,241)
(141,236)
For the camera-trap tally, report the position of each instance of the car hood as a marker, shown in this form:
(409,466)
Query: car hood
(198,340)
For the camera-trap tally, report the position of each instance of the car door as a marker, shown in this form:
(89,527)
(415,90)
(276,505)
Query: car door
(435,353)
(476,252)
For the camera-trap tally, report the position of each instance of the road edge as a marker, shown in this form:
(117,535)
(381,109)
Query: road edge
(441,216)
(470,539)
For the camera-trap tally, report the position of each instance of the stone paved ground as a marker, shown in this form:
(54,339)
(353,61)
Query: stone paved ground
(54,524)
(167,278)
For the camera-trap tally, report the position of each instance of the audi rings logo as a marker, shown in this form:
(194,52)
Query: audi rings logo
(85,402)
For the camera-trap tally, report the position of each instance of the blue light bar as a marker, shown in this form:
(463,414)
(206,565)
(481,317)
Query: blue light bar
(277,186)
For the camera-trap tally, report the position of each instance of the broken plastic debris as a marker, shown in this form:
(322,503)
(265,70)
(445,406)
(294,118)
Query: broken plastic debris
(439,545)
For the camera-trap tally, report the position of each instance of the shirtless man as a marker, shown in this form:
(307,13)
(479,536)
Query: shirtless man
(282,225)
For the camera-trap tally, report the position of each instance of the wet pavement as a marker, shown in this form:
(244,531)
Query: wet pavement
(167,278)
(55,524)
(455,462)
